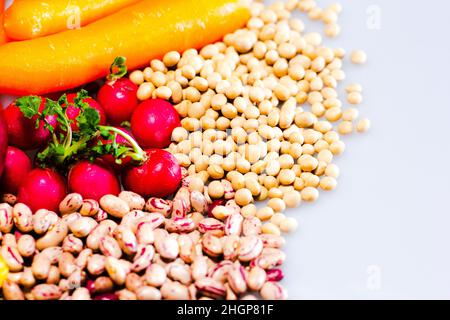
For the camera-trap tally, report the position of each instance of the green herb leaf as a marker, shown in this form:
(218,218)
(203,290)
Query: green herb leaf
(29,105)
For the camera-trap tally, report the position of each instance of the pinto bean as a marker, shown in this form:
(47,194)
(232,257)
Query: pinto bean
(54,236)
(26,245)
(71,203)
(114,206)
(23,217)
(134,201)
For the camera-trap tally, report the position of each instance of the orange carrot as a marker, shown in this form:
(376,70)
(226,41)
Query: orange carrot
(36,18)
(140,32)
(3,38)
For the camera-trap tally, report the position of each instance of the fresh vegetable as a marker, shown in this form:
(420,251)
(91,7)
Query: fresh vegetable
(153,122)
(27,131)
(120,141)
(93,180)
(118,96)
(140,32)
(73,111)
(66,146)
(17,167)
(3,140)
(36,18)
(159,176)
(3,37)
(42,189)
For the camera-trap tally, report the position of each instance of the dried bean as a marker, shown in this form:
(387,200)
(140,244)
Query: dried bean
(145,234)
(148,293)
(251,226)
(198,201)
(256,278)
(96,264)
(233,224)
(143,258)
(89,208)
(180,225)
(211,288)
(83,257)
(126,240)
(249,248)
(155,275)
(83,226)
(81,294)
(134,201)
(26,245)
(43,220)
(12,258)
(273,291)
(12,291)
(23,217)
(72,244)
(133,282)
(53,275)
(110,247)
(114,206)
(159,205)
(71,203)
(212,245)
(46,292)
(54,236)
(173,290)
(6,218)
(116,270)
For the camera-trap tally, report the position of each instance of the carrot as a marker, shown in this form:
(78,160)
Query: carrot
(3,38)
(36,18)
(140,33)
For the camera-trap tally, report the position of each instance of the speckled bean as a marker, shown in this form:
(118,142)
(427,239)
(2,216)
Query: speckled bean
(134,201)
(72,244)
(198,201)
(41,266)
(54,236)
(143,258)
(43,220)
(6,218)
(251,226)
(199,268)
(125,294)
(230,245)
(126,240)
(272,240)
(23,217)
(110,247)
(26,245)
(273,291)
(46,292)
(148,293)
(155,275)
(211,225)
(159,205)
(96,264)
(12,291)
(71,203)
(114,206)
(67,264)
(212,245)
(270,258)
(116,270)
(103,284)
(211,288)
(71,217)
(133,282)
(82,259)
(145,234)
(249,248)
(186,245)
(179,272)
(180,225)
(27,279)
(12,258)
(83,226)
(220,271)
(53,275)
(89,208)
(172,290)
(81,294)
(181,203)
(131,218)
(233,224)
(167,248)
(256,278)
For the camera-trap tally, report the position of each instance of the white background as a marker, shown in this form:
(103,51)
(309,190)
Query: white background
(384,233)
(388,222)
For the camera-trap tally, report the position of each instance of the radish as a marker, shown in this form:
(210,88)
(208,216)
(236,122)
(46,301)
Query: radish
(153,122)
(118,96)
(121,141)
(159,176)
(73,111)
(17,167)
(42,189)
(93,180)
(3,140)
(22,132)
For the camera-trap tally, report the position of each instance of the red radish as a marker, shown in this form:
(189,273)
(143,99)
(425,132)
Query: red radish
(42,189)
(119,100)
(118,96)
(17,167)
(72,111)
(109,159)
(159,176)
(3,140)
(22,132)
(93,180)
(153,122)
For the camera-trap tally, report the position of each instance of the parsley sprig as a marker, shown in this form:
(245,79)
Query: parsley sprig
(68,146)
